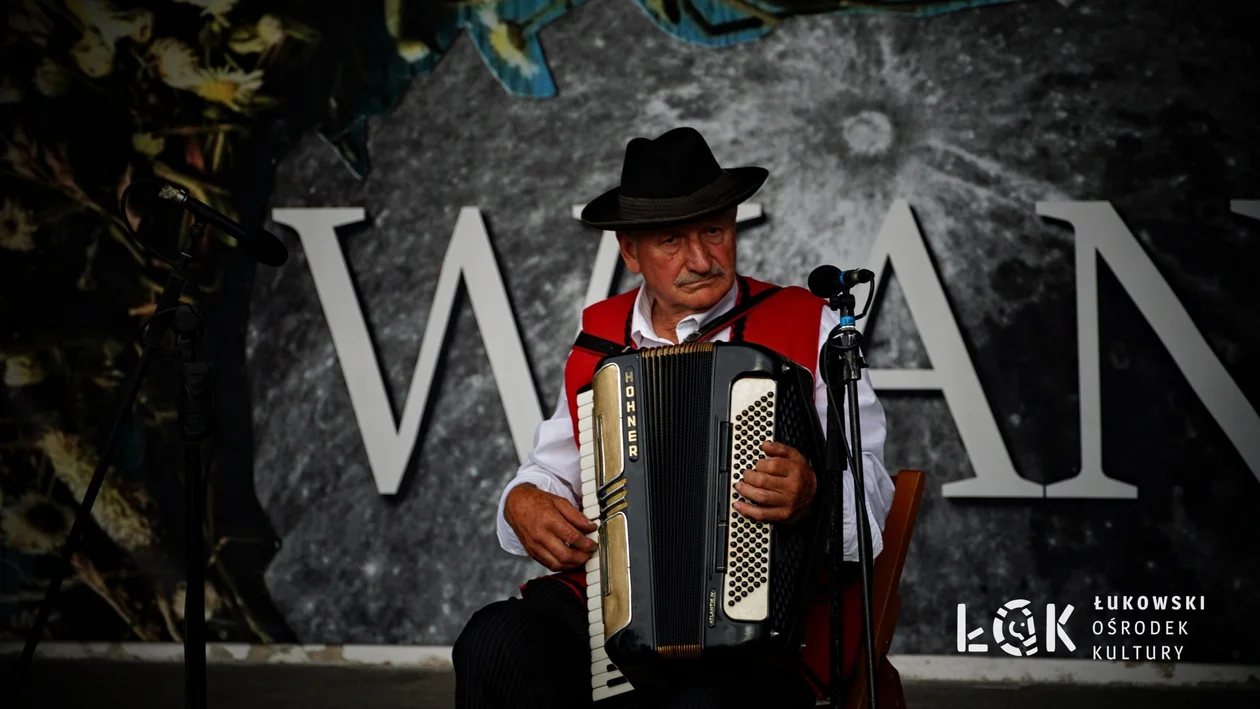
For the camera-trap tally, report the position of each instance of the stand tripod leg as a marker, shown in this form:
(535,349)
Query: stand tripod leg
(22,668)
(152,338)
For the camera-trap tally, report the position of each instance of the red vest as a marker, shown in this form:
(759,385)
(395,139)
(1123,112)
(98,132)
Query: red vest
(787,323)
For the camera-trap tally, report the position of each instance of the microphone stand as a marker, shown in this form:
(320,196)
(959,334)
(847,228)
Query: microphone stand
(195,415)
(194,419)
(842,365)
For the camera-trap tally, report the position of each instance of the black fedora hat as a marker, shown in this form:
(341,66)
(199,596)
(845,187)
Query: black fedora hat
(669,181)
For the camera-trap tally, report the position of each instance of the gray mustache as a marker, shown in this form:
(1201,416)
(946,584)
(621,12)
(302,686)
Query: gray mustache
(689,277)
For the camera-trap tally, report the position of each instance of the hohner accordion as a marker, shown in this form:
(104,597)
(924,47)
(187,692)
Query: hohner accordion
(681,579)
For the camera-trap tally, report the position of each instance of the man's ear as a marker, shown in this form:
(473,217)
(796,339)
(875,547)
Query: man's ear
(629,245)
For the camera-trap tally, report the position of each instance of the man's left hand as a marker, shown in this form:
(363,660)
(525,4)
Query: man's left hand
(782,485)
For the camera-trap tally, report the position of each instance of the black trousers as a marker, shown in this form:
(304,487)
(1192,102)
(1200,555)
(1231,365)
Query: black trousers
(533,653)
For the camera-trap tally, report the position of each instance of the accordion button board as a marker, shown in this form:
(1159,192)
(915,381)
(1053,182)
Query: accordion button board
(748,540)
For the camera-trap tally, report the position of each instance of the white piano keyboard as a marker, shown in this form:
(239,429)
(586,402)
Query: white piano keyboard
(606,680)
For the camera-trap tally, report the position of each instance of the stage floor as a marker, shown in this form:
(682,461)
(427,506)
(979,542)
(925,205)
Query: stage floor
(98,684)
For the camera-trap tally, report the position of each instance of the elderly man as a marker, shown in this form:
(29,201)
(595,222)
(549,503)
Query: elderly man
(674,214)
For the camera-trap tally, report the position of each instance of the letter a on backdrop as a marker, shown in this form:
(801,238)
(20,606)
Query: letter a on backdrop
(952,373)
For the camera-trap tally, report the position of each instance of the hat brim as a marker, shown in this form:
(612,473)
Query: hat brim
(604,212)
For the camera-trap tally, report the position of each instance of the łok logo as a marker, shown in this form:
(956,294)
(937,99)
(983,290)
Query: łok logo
(1015,629)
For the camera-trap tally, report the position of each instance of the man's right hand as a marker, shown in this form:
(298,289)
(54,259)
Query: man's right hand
(550,528)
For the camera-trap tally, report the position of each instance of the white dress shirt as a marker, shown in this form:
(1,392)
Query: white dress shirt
(554,465)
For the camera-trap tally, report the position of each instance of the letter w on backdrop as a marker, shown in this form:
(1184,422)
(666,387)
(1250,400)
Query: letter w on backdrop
(469,256)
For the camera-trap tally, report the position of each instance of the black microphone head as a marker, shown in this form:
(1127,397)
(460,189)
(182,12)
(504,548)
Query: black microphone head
(824,281)
(266,248)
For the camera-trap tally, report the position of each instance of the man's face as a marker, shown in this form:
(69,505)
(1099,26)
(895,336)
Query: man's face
(688,267)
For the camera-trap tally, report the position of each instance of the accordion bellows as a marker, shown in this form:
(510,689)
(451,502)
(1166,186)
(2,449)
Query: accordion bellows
(681,578)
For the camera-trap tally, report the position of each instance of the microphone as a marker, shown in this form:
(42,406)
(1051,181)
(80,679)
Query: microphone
(262,245)
(826,281)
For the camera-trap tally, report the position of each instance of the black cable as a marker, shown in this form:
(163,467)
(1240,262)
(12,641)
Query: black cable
(870,294)
(848,452)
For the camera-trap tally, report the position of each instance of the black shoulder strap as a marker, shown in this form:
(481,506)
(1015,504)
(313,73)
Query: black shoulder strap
(587,341)
(593,343)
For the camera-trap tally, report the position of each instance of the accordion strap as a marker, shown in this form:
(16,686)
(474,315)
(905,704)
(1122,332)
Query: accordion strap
(597,344)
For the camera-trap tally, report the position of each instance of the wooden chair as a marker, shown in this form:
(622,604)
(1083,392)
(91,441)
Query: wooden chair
(886,598)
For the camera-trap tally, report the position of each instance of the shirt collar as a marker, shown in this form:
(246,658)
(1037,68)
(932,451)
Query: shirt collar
(641,330)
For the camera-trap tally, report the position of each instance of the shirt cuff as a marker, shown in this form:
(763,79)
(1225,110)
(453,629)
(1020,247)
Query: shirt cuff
(547,483)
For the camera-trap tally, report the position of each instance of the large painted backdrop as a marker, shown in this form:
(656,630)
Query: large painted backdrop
(970,114)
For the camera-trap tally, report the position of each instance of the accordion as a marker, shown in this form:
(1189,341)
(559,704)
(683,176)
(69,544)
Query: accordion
(681,579)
